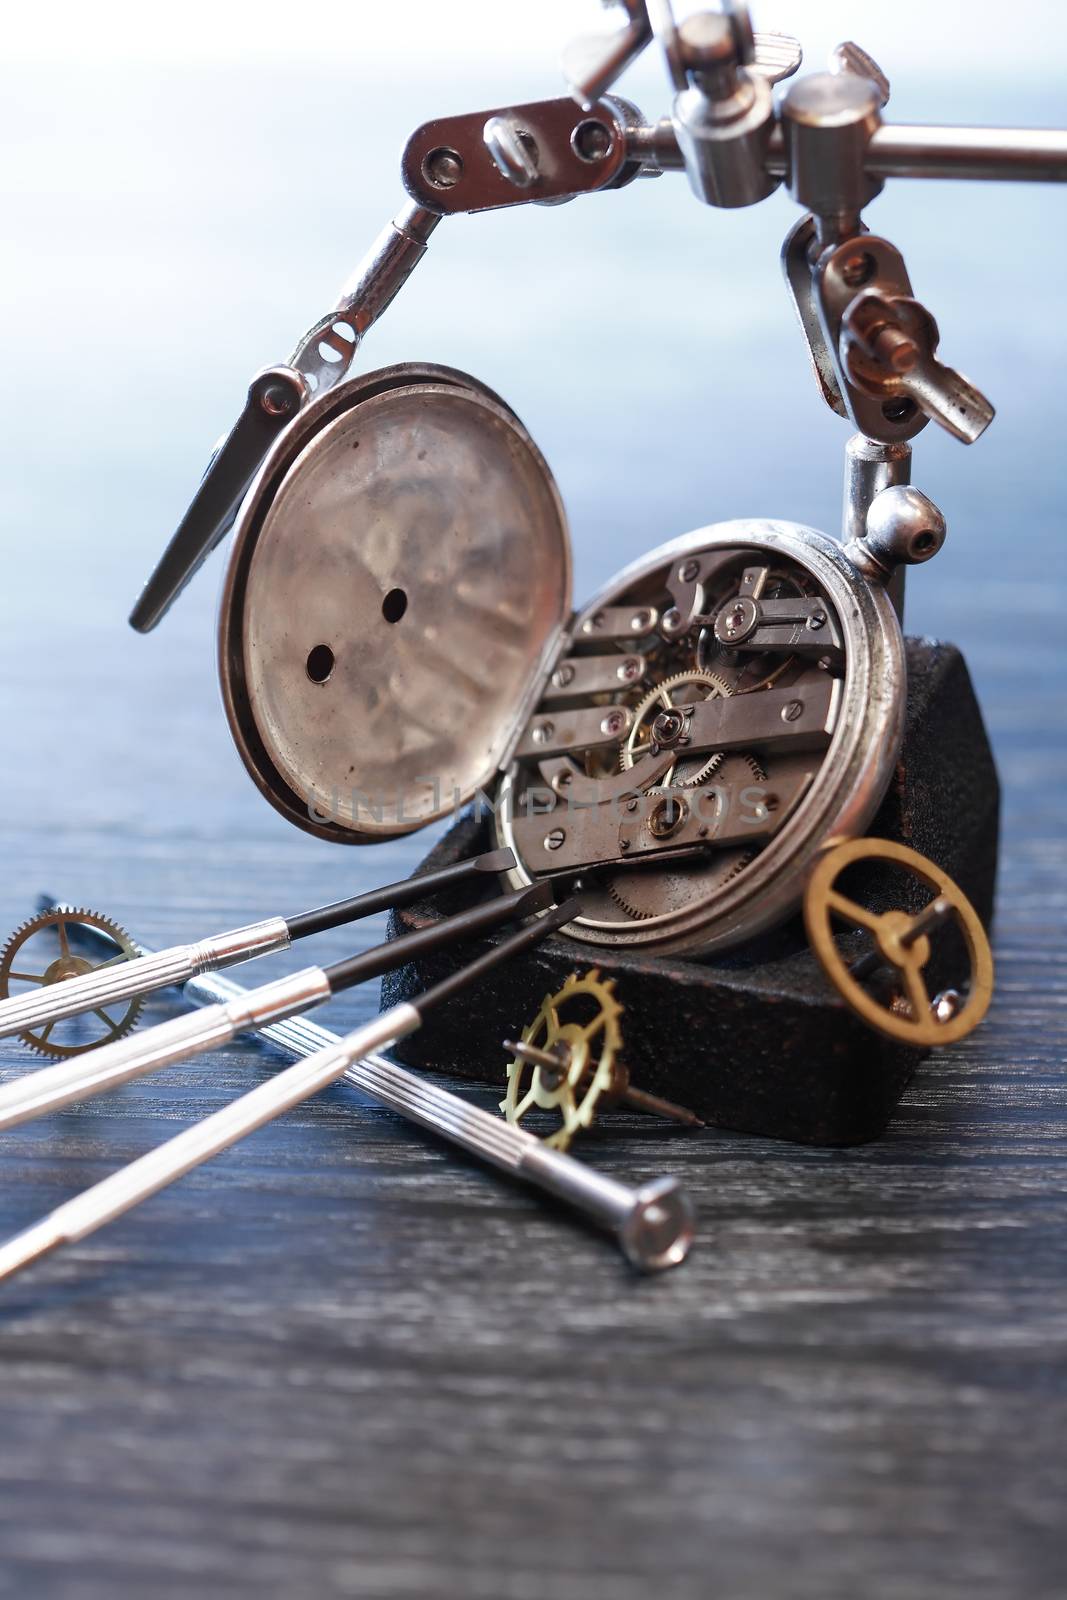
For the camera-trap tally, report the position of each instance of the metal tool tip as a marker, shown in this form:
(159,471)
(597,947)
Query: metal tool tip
(495,861)
(28,1246)
(567,911)
(144,616)
(535,897)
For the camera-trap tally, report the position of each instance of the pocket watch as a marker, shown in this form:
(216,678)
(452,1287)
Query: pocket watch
(396,634)
(396,640)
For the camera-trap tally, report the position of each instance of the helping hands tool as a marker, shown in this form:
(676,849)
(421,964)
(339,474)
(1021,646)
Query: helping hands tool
(873,346)
(653,1224)
(730,702)
(61,994)
(49,1088)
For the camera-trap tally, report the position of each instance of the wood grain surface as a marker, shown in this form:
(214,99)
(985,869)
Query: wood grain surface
(341,1361)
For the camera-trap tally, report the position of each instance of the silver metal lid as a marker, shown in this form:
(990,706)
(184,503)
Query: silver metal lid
(399,575)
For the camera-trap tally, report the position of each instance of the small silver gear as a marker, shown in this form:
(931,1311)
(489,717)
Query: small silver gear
(685,774)
(66,965)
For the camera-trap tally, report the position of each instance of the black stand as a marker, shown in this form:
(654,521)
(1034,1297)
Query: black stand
(757,1039)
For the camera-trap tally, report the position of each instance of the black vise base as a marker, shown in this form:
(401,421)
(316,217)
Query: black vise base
(757,1039)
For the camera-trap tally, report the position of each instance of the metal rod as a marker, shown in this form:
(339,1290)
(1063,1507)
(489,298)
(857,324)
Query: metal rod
(554,1068)
(931,917)
(908,150)
(386,267)
(653,1224)
(659,1107)
(394,895)
(870,467)
(922,150)
(553,1065)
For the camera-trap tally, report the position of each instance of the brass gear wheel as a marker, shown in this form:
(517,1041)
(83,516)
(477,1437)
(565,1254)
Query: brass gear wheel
(19,964)
(684,774)
(901,943)
(587,1053)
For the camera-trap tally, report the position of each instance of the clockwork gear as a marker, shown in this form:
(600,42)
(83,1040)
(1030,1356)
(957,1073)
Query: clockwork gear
(40,952)
(646,890)
(579,1027)
(742,672)
(568,1062)
(901,947)
(680,689)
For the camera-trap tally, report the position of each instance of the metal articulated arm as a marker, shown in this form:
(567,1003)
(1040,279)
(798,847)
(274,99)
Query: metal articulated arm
(319,362)
(872,344)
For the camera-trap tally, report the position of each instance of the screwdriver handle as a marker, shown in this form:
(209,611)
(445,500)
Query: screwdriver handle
(111,1065)
(107,985)
(192,1147)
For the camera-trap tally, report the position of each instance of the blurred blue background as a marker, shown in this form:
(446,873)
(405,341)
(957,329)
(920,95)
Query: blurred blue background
(186,190)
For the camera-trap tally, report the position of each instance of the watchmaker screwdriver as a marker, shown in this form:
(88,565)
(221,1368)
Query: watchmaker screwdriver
(653,1224)
(49,1088)
(121,979)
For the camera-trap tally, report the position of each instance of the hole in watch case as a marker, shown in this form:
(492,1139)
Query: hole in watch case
(393,606)
(320,663)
